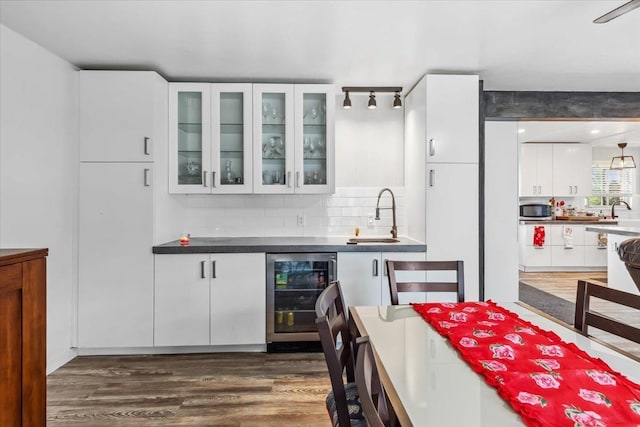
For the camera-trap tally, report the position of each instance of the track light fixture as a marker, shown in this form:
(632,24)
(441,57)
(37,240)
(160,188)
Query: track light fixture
(397,102)
(372,101)
(346,104)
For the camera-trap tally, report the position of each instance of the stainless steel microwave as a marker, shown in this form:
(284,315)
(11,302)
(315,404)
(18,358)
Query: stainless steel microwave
(535,210)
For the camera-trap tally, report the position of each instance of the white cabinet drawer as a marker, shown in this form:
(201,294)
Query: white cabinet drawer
(595,256)
(537,257)
(558,240)
(591,238)
(565,257)
(529,230)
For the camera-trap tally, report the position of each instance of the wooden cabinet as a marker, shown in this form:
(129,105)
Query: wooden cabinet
(210,138)
(23,331)
(441,172)
(115,260)
(363,276)
(536,170)
(572,165)
(293,131)
(561,170)
(118,115)
(210,299)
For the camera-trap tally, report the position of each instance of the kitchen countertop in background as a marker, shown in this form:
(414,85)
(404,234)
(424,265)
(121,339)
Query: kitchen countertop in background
(285,244)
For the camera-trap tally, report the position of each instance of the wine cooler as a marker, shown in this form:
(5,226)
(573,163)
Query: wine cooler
(294,282)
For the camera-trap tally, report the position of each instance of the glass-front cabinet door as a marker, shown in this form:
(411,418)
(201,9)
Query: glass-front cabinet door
(314,139)
(232,138)
(189,137)
(210,138)
(273,145)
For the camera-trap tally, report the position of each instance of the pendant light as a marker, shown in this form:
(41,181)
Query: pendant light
(622,161)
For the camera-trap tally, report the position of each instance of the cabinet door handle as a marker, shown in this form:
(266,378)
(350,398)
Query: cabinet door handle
(298,179)
(213,269)
(213,178)
(538,247)
(432,147)
(566,249)
(204,178)
(289,179)
(432,177)
(539,189)
(575,191)
(146,177)
(375,268)
(534,189)
(202,276)
(146,145)
(570,189)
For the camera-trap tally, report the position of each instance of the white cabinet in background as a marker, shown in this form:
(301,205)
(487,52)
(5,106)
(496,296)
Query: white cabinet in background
(119,114)
(572,169)
(210,299)
(115,297)
(363,276)
(293,132)
(452,104)
(536,170)
(210,138)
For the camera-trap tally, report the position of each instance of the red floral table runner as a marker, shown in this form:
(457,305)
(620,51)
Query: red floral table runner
(547,381)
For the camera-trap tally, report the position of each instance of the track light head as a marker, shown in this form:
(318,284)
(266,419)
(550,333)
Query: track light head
(397,103)
(372,101)
(346,104)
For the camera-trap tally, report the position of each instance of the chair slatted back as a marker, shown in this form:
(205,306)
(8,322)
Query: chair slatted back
(429,286)
(372,396)
(331,321)
(585,317)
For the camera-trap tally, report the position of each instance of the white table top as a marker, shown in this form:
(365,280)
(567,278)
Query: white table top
(428,382)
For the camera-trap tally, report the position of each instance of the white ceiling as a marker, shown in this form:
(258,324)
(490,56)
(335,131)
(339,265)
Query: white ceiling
(607,134)
(511,44)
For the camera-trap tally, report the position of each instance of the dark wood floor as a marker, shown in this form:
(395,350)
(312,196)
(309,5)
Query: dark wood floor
(222,389)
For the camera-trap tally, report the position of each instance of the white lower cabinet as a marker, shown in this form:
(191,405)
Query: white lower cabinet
(363,277)
(115,273)
(209,299)
(581,253)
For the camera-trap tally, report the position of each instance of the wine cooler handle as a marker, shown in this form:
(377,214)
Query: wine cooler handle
(375,267)
(213,269)
(334,269)
(202,276)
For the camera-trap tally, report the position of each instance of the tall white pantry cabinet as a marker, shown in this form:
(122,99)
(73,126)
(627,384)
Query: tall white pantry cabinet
(441,170)
(123,119)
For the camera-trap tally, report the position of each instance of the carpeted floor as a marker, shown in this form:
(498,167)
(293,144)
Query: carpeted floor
(557,307)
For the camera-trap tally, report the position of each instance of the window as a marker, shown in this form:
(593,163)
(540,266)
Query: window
(610,185)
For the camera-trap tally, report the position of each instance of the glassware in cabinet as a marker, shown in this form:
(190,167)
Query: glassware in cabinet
(273,138)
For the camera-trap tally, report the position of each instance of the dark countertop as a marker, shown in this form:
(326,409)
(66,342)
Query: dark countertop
(285,244)
(564,222)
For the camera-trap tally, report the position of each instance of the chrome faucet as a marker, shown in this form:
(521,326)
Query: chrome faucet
(619,202)
(394,228)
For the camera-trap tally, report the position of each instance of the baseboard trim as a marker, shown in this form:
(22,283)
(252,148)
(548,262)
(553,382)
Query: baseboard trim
(54,362)
(119,351)
(529,269)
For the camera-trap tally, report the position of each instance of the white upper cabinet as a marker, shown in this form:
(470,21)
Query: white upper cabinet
(572,169)
(452,109)
(536,170)
(293,131)
(273,147)
(210,138)
(118,115)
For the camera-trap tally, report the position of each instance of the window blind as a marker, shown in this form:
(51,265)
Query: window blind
(611,182)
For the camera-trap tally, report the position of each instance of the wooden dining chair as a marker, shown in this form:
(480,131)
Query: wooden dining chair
(396,286)
(372,395)
(585,316)
(343,402)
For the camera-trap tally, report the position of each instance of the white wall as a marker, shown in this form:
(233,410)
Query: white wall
(38,173)
(501,211)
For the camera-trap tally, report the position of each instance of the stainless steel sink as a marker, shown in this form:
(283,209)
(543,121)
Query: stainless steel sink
(373,240)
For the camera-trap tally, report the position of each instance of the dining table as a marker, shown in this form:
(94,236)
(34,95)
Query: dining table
(429,384)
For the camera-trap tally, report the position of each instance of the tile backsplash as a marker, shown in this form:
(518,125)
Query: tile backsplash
(289,215)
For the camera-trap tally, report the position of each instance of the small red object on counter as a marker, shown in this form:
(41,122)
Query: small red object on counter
(185,239)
